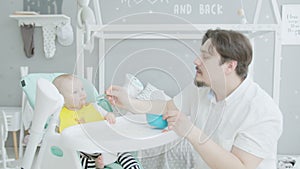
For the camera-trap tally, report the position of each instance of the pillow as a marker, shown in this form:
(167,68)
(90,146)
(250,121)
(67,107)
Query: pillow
(152,93)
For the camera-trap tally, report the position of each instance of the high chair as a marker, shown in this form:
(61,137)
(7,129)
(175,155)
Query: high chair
(60,150)
(47,102)
(3,136)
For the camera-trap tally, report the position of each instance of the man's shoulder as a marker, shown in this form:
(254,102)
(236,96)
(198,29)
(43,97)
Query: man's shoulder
(260,96)
(262,103)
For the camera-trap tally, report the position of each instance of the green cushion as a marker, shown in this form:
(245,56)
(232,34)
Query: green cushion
(113,166)
(28,83)
(116,165)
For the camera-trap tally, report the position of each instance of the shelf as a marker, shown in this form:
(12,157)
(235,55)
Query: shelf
(48,23)
(182,27)
(41,20)
(173,31)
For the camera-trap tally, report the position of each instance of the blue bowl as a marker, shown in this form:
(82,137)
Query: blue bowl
(156,120)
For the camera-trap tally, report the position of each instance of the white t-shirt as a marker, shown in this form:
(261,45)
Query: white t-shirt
(248,119)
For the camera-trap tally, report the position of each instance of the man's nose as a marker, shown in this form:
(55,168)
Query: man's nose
(198,61)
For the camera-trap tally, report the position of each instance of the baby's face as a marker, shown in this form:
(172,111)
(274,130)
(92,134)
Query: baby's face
(74,94)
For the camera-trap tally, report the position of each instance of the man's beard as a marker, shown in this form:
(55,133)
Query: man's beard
(199,83)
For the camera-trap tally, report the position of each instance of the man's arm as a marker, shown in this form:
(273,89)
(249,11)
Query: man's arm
(151,106)
(214,155)
(118,96)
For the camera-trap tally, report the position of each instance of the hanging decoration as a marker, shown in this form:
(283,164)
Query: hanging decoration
(241,13)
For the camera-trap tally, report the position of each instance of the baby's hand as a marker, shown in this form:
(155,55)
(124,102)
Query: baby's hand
(110,117)
(80,121)
(165,130)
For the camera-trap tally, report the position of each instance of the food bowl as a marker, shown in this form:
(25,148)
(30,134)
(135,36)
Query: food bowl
(156,121)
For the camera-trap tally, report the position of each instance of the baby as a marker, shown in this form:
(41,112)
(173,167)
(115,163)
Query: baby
(77,111)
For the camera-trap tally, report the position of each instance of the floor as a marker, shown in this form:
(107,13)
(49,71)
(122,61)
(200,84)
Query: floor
(15,164)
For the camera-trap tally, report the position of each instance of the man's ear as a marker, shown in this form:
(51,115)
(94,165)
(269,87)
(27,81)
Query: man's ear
(231,66)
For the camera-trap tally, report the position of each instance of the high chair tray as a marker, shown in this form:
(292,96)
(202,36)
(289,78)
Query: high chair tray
(129,133)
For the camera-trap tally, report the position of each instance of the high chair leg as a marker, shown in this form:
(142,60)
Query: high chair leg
(15,145)
(4,156)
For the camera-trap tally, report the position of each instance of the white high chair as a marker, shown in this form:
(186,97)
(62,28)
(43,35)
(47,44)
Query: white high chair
(3,136)
(46,101)
(60,150)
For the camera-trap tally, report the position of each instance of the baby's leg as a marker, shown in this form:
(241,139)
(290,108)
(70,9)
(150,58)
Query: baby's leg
(99,162)
(88,161)
(127,161)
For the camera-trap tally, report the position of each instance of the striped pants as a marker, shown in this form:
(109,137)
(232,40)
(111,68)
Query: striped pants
(126,160)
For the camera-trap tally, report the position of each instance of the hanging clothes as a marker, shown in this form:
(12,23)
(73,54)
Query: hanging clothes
(27,32)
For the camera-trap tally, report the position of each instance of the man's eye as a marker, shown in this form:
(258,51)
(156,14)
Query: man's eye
(205,56)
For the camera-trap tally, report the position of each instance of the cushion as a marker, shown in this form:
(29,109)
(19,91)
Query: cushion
(28,83)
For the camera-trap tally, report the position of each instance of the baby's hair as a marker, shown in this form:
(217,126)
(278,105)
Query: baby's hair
(58,81)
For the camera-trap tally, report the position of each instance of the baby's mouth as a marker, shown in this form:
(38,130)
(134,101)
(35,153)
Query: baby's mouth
(83,101)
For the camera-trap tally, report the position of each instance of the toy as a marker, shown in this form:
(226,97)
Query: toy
(85,16)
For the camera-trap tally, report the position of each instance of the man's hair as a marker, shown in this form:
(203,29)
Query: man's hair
(231,45)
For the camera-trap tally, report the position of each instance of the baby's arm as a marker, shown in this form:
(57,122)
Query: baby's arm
(110,117)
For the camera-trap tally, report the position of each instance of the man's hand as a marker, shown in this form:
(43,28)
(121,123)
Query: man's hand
(118,96)
(178,122)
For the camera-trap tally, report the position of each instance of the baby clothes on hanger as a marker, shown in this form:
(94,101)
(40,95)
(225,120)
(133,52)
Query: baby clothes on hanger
(27,32)
(64,34)
(49,40)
